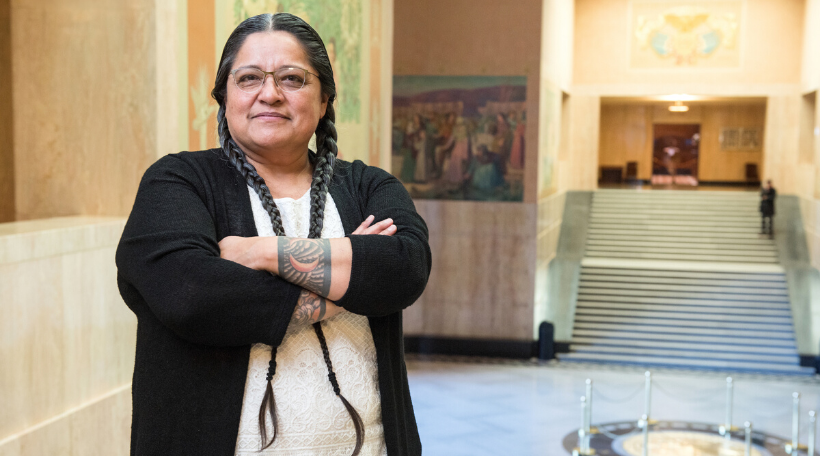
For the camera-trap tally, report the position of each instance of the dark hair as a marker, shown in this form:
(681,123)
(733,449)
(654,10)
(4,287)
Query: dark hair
(323,161)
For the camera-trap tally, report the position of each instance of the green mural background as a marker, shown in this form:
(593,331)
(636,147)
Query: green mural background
(339,23)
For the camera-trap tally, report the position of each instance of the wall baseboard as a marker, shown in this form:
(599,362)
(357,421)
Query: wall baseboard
(730,183)
(490,348)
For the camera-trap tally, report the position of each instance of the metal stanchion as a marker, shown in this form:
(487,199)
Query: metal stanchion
(645,424)
(794,447)
(589,400)
(583,433)
(748,445)
(812,430)
(726,429)
(647,395)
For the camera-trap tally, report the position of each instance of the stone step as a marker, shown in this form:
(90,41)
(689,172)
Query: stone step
(661,331)
(718,303)
(716,275)
(670,353)
(679,295)
(695,344)
(676,250)
(591,306)
(700,245)
(680,317)
(750,283)
(617,336)
(681,257)
(781,292)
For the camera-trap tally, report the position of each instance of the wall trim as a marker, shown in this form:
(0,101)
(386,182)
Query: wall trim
(490,348)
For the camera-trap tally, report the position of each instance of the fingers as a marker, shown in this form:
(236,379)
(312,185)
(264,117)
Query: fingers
(384,227)
(390,230)
(364,225)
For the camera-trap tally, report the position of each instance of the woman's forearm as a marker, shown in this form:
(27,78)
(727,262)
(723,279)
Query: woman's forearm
(321,266)
(312,308)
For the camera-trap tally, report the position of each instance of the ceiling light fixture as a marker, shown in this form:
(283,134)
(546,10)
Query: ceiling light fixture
(678,107)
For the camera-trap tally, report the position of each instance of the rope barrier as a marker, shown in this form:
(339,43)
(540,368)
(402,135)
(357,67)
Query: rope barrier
(628,397)
(702,398)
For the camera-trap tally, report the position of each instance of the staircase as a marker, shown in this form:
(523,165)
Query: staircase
(682,279)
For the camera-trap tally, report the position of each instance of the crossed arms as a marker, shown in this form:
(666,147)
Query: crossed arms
(320,266)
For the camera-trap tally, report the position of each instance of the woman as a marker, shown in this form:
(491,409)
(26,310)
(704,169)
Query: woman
(227,361)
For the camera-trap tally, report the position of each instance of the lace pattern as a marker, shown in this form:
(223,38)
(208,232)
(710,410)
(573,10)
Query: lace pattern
(312,420)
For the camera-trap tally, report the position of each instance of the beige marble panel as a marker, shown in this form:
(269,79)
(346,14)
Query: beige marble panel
(6,117)
(30,240)
(66,338)
(578,168)
(781,145)
(482,281)
(84,97)
(99,428)
(550,215)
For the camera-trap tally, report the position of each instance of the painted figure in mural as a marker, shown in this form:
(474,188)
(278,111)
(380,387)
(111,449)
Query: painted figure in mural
(444,142)
(487,170)
(255,268)
(460,156)
(767,197)
(517,148)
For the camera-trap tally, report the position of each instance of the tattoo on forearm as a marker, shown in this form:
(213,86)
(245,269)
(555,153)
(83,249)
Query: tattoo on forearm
(306,262)
(310,308)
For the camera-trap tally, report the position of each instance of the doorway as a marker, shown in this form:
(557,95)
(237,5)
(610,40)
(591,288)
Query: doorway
(675,154)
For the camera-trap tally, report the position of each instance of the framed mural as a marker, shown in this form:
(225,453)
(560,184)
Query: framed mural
(743,139)
(460,137)
(676,34)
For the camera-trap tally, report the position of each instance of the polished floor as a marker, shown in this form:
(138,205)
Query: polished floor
(483,407)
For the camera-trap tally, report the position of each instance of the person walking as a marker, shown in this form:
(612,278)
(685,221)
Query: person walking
(767,196)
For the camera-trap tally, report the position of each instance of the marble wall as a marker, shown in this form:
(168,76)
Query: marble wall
(482,281)
(84,105)
(66,339)
(550,216)
(577,167)
(6,118)
(484,253)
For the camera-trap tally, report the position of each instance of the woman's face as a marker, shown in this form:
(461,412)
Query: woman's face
(271,120)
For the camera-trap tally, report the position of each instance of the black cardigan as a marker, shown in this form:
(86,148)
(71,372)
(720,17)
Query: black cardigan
(198,314)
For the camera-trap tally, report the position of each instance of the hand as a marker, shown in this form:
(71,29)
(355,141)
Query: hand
(242,250)
(385,227)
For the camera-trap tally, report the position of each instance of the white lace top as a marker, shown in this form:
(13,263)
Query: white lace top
(312,420)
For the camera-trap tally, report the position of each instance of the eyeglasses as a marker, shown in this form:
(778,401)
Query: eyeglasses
(288,79)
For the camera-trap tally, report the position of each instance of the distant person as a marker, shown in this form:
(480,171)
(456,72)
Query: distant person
(767,196)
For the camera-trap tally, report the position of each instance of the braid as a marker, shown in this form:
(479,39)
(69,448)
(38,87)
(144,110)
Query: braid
(252,178)
(323,172)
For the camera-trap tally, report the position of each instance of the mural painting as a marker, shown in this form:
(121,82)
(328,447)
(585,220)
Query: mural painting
(460,137)
(339,23)
(686,34)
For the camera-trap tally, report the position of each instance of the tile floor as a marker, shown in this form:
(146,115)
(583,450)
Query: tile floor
(482,407)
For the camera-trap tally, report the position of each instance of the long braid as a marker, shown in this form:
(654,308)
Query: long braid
(322,174)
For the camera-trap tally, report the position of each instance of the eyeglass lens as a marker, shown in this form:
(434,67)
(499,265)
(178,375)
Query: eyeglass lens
(288,79)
